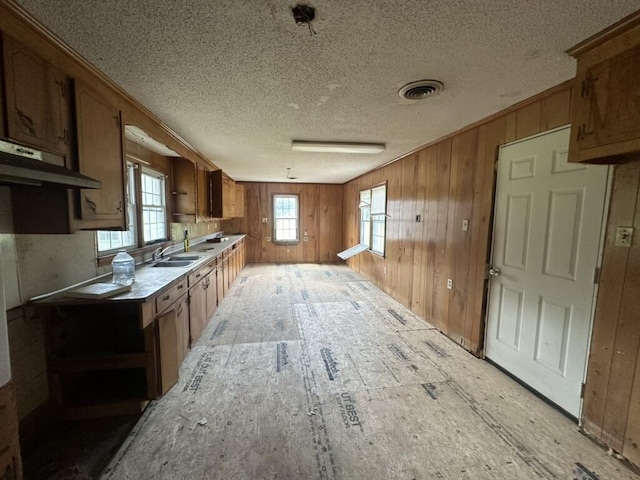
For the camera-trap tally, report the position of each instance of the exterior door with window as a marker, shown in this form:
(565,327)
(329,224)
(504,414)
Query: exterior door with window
(547,231)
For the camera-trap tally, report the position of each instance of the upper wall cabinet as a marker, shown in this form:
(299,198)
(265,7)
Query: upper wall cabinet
(184,190)
(37,100)
(204,213)
(227,198)
(100,156)
(605,121)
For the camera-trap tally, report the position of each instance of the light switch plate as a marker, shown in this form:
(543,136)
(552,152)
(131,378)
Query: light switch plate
(465,225)
(265,220)
(624,236)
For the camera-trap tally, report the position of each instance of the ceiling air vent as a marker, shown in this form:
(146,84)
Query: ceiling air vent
(420,89)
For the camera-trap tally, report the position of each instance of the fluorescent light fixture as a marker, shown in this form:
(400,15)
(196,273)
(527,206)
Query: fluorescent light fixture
(139,136)
(337,147)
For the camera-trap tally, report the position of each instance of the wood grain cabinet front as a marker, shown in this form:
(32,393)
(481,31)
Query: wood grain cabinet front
(100,156)
(605,118)
(173,341)
(227,198)
(37,100)
(184,190)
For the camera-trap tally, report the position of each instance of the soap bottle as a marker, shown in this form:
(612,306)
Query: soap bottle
(123,268)
(186,240)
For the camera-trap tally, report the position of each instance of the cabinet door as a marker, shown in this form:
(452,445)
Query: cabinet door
(182,324)
(167,325)
(239,205)
(220,278)
(100,156)
(212,294)
(202,194)
(37,96)
(606,116)
(197,310)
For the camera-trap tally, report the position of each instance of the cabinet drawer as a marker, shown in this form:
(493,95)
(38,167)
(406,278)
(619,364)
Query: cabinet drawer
(170,295)
(201,272)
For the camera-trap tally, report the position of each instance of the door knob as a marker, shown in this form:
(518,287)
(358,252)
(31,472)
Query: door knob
(494,272)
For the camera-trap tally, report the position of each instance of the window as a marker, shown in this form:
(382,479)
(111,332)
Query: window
(114,240)
(154,206)
(286,214)
(373,218)
(146,200)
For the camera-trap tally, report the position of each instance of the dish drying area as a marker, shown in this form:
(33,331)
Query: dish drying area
(310,371)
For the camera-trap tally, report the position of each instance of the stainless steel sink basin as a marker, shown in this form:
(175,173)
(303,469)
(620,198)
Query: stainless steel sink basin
(182,258)
(174,263)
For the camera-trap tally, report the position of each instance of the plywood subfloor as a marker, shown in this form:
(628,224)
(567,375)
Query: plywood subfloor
(311,372)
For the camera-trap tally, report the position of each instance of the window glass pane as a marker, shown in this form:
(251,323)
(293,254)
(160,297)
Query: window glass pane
(379,199)
(373,205)
(285,213)
(154,211)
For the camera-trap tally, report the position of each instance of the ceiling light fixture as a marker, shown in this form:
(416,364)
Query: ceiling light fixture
(337,147)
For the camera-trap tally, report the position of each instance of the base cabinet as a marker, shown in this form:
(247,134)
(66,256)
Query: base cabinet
(110,357)
(173,341)
(197,309)
(10,464)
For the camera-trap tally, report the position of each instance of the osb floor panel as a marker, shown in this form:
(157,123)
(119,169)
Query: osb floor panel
(311,372)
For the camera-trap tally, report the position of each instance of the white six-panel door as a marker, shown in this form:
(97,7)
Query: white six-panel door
(547,225)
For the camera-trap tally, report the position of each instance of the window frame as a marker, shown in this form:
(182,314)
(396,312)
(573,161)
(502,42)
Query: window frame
(274,219)
(373,215)
(141,247)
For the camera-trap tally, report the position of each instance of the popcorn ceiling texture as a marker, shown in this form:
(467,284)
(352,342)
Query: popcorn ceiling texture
(239,80)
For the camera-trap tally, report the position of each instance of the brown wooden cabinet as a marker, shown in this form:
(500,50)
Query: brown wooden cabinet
(203,298)
(10,464)
(37,99)
(173,341)
(203,212)
(605,119)
(100,156)
(184,190)
(197,309)
(227,198)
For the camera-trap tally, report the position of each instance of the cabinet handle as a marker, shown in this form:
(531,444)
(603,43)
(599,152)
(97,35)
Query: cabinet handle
(198,275)
(119,207)
(92,205)
(166,297)
(60,83)
(180,286)
(26,122)
(179,311)
(65,136)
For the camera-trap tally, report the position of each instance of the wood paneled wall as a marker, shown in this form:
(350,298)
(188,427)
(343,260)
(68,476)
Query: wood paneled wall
(320,217)
(445,183)
(612,393)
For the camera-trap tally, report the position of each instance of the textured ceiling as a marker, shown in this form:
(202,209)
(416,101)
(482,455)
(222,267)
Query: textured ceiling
(239,80)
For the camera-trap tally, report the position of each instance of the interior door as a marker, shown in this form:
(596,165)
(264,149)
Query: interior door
(547,230)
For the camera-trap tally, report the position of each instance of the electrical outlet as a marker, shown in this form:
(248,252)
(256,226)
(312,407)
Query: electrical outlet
(385,269)
(305,239)
(450,284)
(268,239)
(465,225)
(624,236)
(265,220)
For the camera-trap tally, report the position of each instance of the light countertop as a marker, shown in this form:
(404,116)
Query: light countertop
(149,279)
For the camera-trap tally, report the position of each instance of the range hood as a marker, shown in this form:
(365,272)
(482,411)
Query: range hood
(26,166)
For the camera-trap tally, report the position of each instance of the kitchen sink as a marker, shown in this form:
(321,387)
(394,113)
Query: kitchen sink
(182,258)
(174,263)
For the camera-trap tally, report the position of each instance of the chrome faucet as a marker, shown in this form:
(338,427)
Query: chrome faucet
(159,252)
